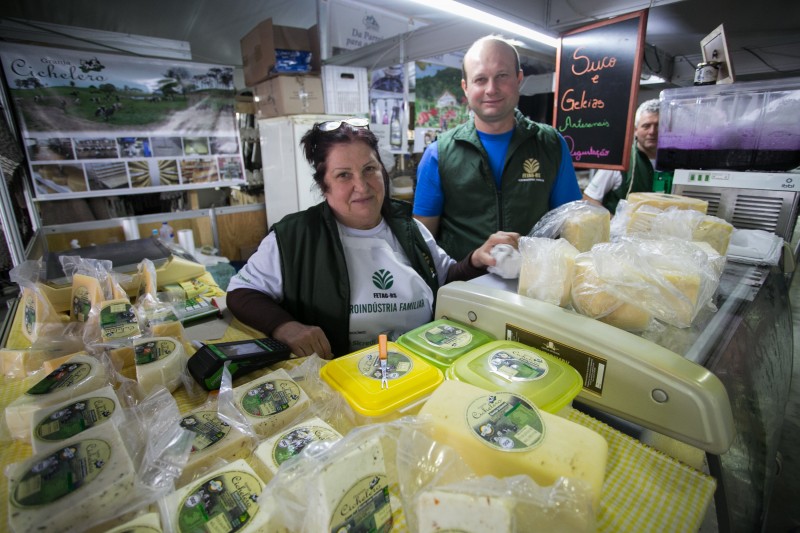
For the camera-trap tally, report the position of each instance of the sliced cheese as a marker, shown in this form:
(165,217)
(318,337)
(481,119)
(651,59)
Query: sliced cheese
(270,402)
(448,510)
(664,201)
(160,361)
(584,228)
(78,375)
(146,523)
(118,319)
(502,434)
(547,269)
(86,294)
(271,453)
(85,479)
(226,499)
(214,440)
(57,423)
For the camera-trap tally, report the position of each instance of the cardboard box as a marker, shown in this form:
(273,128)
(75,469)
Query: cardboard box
(258,48)
(289,95)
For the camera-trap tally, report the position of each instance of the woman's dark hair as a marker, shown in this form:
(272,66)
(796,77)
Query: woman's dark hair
(317,144)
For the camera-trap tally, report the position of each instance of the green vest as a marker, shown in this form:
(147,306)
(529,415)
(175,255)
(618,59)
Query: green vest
(316,287)
(642,181)
(473,207)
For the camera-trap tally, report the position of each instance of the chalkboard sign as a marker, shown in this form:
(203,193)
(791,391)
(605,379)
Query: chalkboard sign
(597,80)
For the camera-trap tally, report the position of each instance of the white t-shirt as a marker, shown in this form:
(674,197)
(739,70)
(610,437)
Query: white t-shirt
(603,181)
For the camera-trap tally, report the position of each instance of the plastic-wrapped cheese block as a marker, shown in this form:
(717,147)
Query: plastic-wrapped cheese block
(590,298)
(160,361)
(78,375)
(271,453)
(446,510)
(715,231)
(57,423)
(351,492)
(37,312)
(270,402)
(227,499)
(664,201)
(584,228)
(716,260)
(146,523)
(118,319)
(86,293)
(85,478)
(214,440)
(503,434)
(547,267)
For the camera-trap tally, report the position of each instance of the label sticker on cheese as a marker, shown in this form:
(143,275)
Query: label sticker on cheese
(63,377)
(398,365)
(152,351)
(68,421)
(226,502)
(517,365)
(447,337)
(117,319)
(506,422)
(207,427)
(29,314)
(294,441)
(364,507)
(61,473)
(270,397)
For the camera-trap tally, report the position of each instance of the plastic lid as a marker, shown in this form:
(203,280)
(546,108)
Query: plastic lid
(358,377)
(548,382)
(443,341)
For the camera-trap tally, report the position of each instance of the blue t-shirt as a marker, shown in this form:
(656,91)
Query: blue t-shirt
(429,199)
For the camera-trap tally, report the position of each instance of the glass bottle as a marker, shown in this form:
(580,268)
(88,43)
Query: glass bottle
(395,133)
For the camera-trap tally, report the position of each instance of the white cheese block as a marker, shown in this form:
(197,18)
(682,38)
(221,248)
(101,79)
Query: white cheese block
(86,293)
(160,361)
(214,440)
(226,499)
(86,478)
(118,319)
(446,510)
(271,453)
(547,269)
(78,375)
(502,434)
(583,228)
(351,491)
(146,523)
(270,402)
(57,423)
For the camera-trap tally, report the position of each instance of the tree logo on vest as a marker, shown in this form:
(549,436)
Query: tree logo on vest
(531,171)
(383,279)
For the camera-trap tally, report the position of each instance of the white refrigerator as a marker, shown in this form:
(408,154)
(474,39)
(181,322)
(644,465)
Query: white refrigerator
(288,183)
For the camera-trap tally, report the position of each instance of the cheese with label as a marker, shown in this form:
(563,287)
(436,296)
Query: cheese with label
(57,423)
(547,269)
(160,361)
(146,523)
(214,440)
(85,479)
(118,319)
(503,434)
(226,499)
(584,228)
(352,491)
(590,298)
(271,453)
(78,375)
(270,402)
(86,294)
(444,509)
(36,313)
(664,201)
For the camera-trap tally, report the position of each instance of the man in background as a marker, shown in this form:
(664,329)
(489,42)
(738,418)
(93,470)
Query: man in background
(500,171)
(608,187)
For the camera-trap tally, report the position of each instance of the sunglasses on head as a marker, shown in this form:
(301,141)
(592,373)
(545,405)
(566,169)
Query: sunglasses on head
(333,125)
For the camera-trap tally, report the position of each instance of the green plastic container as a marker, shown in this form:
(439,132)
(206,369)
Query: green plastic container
(443,341)
(548,382)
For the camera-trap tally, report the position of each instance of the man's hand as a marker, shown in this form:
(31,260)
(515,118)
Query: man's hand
(482,257)
(303,340)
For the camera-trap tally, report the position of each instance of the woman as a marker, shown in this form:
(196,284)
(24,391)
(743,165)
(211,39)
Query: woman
(329,279)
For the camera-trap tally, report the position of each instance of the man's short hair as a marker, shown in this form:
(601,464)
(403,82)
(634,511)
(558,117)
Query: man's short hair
(648,106)
(491,38)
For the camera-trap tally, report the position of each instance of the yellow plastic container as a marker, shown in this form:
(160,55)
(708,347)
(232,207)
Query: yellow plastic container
(443,341)
(358,377)
(549,383)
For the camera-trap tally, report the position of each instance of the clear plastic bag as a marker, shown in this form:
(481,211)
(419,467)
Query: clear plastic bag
(580,223)
(547,269)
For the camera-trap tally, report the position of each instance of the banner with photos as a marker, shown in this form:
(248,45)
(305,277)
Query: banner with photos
(97,124)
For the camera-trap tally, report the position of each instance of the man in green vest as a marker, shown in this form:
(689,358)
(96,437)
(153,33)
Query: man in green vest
(499,171)
(608,187)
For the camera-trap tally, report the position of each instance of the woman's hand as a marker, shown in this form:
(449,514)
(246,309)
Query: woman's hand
(482,257)
(303,340)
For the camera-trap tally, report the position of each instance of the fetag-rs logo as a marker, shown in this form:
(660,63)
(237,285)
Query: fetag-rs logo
(383,279)
(530,170)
